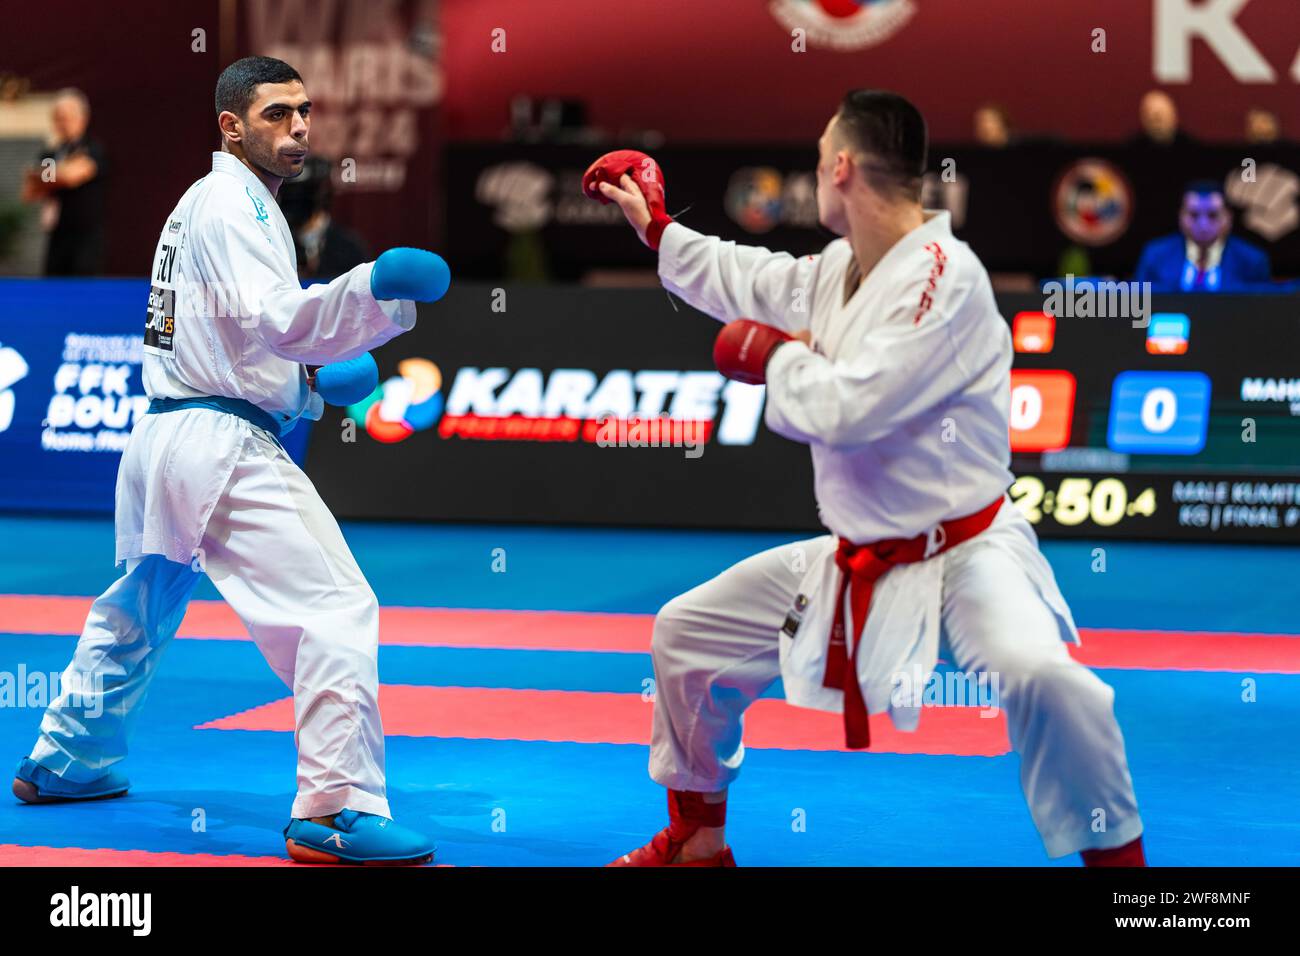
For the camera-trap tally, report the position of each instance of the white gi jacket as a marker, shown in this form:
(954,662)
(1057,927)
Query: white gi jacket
(227,316)
(904,400)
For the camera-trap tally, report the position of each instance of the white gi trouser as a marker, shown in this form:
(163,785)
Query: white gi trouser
(275,553)
(716,649)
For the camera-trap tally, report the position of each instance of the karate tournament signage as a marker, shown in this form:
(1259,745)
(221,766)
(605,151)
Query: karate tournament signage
(70,389)
(561,405)
(572,405)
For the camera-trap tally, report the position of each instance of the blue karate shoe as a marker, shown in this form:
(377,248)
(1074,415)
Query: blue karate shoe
(34,784)
(356,837)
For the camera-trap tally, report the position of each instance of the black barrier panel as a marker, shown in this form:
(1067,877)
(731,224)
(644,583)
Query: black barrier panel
(1039,208)
(572,405)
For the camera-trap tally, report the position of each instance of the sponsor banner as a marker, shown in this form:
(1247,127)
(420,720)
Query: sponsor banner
(596,406)
(601,406)
(559,404)
(70,388)
(1040,208)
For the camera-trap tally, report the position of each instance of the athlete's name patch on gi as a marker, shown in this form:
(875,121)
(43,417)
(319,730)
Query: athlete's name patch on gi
(160,321)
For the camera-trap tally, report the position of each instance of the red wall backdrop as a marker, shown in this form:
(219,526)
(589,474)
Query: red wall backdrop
(708,70)
(150,100)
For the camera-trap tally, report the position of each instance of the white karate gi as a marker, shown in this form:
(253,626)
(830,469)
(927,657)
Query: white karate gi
(904,400)
(200,489)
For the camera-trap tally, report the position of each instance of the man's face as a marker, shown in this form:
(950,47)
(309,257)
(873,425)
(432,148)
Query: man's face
(832,172)
(990,127)
(1205,218)
(274,131)
(69,120)
(1159,116)
(1261,127)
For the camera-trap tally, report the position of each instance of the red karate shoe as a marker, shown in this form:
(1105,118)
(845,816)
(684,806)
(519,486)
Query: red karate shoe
(687,812)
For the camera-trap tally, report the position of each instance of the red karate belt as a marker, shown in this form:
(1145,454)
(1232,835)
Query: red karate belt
(861,566)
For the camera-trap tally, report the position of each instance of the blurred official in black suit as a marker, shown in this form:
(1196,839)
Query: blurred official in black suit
(71,191)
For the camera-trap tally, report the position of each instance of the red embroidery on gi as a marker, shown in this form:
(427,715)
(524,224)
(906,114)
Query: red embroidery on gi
(936,270)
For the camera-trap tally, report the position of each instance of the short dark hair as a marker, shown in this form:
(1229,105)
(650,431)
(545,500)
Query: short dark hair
(892,132)
(1204,187)
(238,82)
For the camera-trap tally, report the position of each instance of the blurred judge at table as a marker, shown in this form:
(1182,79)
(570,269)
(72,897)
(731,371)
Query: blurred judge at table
(1202,256)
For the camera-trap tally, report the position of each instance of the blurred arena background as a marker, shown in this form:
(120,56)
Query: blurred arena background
(519,545)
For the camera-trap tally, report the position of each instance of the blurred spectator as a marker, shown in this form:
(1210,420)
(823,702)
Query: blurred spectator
(992,126)
(325,249)
(1262,126)
(73,197)
(1159,118)
(13,87)
(1202,256)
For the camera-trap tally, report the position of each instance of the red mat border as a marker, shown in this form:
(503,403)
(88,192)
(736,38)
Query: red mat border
(1116,648)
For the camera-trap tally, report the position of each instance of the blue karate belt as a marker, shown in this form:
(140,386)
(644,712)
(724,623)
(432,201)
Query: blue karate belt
(222,403)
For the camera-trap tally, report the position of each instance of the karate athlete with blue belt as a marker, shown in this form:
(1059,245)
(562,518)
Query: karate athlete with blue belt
(204,485)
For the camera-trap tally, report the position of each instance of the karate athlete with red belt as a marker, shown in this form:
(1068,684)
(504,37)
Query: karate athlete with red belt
(887,356)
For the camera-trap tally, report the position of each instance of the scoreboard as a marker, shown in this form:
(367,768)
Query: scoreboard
(1183,422)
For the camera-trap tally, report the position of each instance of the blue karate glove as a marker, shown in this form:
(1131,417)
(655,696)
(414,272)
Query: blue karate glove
(346,383)
(405,273)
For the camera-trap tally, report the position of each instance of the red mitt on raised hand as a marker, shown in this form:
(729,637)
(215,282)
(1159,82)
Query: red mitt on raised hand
(611,167)
(743,347)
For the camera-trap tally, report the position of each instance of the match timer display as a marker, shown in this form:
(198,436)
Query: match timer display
(1072,502)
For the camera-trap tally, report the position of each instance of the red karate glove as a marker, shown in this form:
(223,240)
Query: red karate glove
(645,172)
(743,349)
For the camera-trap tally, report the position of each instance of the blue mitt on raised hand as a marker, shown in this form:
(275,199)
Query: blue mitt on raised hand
(406,273)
